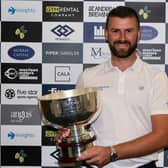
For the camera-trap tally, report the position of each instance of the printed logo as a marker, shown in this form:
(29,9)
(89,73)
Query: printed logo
(12,135)
(21,73)
(11,73)
(13,10)
(149,12)
(62,73)
(20,114)
(98,53)
(48,136)
(25,135)
(20,32)
(97,12)
(21,52)
(72,53)
(62,30)
(144,12)
(148,33)
(152,53)
(55,154)
(20,156)
(94,32)
(26,11)
(20,94)
(9,93)
(47,89)
(60,11)
(98,32)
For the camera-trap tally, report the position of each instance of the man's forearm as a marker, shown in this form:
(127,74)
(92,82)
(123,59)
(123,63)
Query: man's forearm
(144,145)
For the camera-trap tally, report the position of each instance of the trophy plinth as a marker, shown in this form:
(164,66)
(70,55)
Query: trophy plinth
(72,109)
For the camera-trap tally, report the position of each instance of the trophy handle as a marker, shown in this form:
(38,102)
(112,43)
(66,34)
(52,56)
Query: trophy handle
(48,123)
(45,121)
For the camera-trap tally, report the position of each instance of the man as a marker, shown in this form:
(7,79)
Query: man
(133,124)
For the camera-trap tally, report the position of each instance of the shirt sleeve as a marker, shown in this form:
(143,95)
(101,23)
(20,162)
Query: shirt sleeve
(159,94)
(80,81)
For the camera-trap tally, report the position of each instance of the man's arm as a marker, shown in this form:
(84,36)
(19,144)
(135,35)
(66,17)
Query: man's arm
(149,143)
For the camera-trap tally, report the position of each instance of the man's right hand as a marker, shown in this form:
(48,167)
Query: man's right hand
(62,133)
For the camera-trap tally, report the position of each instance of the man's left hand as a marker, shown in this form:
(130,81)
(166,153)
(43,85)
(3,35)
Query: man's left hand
(96,155)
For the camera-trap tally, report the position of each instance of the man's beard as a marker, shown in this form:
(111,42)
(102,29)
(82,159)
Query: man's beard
(121,53)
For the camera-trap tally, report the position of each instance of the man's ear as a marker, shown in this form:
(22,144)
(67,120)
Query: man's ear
(139,35)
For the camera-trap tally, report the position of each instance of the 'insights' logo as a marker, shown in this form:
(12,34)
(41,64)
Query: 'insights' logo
(13,10)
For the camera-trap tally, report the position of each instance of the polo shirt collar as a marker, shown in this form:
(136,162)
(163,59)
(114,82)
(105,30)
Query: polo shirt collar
(135,67)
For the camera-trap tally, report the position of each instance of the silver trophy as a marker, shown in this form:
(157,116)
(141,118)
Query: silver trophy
(73,109)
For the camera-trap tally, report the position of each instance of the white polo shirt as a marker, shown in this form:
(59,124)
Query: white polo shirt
(127,101)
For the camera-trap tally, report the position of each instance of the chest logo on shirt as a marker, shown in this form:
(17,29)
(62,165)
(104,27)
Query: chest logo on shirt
(141,87)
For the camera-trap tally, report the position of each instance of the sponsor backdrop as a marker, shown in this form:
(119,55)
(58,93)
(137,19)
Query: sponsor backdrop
(44,47)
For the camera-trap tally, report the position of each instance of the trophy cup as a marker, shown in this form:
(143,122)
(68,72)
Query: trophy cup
(72,109)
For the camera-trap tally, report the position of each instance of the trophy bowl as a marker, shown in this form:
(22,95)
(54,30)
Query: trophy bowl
(72,109)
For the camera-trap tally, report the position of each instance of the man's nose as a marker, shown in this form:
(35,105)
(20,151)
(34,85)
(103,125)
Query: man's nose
(122,36)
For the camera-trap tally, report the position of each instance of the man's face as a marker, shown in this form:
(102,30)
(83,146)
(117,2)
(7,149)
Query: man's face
(122,35)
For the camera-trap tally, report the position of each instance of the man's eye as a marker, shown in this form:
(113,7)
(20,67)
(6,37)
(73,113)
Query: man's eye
(128,31)
(114,31)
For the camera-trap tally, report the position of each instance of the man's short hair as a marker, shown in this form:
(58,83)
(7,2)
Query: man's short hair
(123,12)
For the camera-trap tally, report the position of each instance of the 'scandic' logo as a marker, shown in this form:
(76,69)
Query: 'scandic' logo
(11,10)
(20,156)
(144,12)
(11,73)
(62,30)
(21,31)
(9,93)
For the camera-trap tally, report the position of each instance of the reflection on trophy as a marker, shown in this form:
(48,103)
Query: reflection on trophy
(72,109)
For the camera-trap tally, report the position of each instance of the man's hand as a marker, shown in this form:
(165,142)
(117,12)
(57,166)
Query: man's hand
(62,133)
(96,155)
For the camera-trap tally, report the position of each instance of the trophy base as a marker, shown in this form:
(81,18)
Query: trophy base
(73,146)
